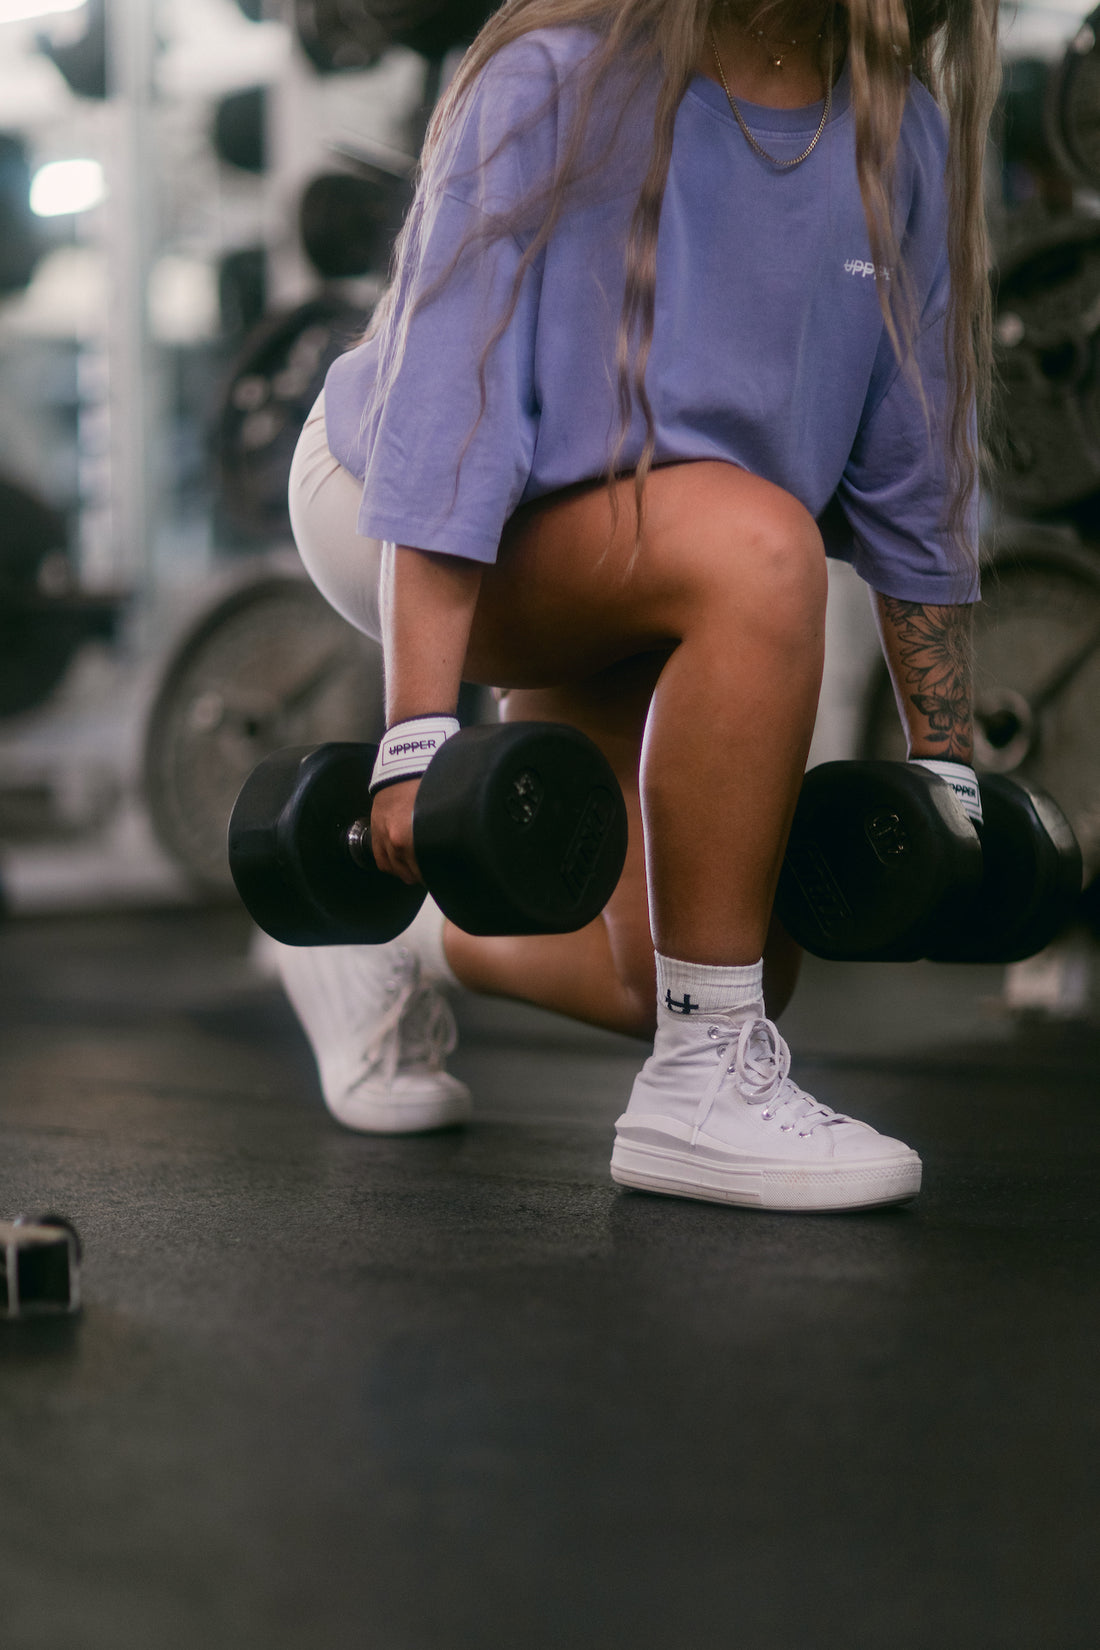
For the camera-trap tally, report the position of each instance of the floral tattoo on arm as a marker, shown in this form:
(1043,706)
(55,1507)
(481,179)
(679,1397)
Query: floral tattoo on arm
(932,651)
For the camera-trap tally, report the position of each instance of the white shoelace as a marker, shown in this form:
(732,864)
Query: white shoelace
(416,1030)
(759,1069)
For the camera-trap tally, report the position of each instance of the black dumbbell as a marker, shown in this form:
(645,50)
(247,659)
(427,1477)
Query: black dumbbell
(518,829)
(1031,879)
(883,865)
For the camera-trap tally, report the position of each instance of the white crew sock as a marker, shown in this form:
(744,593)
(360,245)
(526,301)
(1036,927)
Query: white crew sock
(424,937)
(685,987)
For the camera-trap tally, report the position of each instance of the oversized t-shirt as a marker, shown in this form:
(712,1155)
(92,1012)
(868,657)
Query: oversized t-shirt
(769,348)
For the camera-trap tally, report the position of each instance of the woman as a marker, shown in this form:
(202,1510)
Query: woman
(686,291)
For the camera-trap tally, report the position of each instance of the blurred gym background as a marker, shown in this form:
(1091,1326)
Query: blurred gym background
(197,204)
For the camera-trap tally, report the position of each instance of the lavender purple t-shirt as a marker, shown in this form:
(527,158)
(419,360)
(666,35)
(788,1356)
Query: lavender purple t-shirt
(769,349)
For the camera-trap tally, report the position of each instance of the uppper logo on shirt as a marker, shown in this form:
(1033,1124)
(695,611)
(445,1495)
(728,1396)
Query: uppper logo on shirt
(861,267)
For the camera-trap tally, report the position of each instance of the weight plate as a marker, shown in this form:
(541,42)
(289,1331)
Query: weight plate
(1047,315)
(240,129)
(1074,104)
(337,35)
(270,665)
(432,27)
(275,381)
(878,858)
(520,829)
(290,856)
(349,221)
(39,636)
(1031,879)
(1036,684)
(21,239)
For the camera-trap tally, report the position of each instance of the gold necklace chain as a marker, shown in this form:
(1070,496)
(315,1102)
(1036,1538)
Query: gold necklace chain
(783,165)
(771,46)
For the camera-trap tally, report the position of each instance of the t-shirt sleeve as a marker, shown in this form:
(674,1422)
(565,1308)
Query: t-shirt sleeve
(894,490)
(893,497)
(449,440)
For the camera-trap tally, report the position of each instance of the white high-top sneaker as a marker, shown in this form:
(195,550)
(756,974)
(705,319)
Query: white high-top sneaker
(714,1115)
(379,1033)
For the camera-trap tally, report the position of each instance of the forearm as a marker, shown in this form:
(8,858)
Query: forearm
(428,604)
(928,651)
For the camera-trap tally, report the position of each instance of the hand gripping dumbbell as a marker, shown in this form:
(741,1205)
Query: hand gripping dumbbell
(518,829)
(883,865)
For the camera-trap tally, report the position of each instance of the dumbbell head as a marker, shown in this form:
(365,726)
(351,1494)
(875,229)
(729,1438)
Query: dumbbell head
(1031,879)
(520,829)
(878,857)
(300,855)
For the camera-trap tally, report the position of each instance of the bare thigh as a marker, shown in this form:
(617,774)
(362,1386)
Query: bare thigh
(573,592)
(580,618)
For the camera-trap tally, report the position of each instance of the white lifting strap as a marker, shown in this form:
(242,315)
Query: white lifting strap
(408,747)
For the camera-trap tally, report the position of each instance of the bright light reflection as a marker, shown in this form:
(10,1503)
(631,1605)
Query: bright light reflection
(67,186)
(14,11)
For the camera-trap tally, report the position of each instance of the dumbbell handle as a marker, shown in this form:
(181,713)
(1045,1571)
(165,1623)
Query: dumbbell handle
(359,843)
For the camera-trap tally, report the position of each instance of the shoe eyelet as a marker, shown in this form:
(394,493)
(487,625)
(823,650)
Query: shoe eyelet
(785,1128)
(714,1032)
(767,1115)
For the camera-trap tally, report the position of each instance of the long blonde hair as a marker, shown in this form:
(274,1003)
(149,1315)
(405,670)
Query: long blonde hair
(949,45)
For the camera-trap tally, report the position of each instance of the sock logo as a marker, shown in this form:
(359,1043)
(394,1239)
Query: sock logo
(683,1006)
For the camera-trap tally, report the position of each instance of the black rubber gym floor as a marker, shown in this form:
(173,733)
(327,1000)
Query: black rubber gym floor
(459,1393)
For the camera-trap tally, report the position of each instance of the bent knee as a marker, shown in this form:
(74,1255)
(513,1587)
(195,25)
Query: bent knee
(747,544)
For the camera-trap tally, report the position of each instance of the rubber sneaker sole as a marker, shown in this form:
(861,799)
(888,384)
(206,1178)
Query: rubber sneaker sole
(388,1111)
(651,1161)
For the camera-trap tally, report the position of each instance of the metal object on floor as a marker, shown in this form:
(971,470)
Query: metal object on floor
(39,1266)
(269,664)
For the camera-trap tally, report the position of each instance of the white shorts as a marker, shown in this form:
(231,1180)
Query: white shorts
(324,506)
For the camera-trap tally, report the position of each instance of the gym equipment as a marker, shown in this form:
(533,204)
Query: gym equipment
(349,221)
(883,866)
(431,27)
(1046,320)
(21,243)
(1073,103)
(82,61)
(43,619)
(519,828)
(39,635)
(1048,309)
(878,857)
(274,382)
(1036,678)
(242,289)
(240,129)
(1031,879)
(39,1266)
(265,664)
(353,34)
(32,531)
(337,35)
